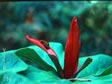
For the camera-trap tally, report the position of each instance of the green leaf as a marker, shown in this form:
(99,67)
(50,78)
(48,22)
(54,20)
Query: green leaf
(97,80)
(85,64)
(57,47)
(31,55)
(40,76)
(10,62)
(100,63)
(106,71)
(13,78)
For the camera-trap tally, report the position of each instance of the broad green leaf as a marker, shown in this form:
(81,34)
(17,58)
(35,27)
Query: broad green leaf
(43,77)
(97,80)
(85,64)
(10,62)
(40,76)
(13,78)
(31,55)
(99,64)
(106,72)
(57,47)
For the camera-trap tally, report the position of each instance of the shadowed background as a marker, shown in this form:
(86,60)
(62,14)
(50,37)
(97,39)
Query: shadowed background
(50,21)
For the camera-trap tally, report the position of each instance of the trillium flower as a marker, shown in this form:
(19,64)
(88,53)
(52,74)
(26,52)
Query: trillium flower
(72,50)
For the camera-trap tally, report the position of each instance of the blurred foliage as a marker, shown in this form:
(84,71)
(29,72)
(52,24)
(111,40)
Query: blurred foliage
(51,20)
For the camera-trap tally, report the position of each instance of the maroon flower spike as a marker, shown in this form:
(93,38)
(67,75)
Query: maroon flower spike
(72,50)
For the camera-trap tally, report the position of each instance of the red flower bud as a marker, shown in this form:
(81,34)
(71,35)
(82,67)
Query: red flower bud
(72,50)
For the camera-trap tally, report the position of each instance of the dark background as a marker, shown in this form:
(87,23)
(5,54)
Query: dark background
(50,20)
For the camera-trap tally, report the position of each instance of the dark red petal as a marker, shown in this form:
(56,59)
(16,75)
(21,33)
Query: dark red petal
(72,50)
(39,44)
(36,42)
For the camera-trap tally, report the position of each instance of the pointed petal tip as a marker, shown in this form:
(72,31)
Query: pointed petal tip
(74,25)
(27,36)
(74,19)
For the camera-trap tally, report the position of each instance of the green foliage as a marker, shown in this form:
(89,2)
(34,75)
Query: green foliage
(10,62)
(13,78)
(32,56)
(99,71)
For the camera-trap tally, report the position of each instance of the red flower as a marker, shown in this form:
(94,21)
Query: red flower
(72,50)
